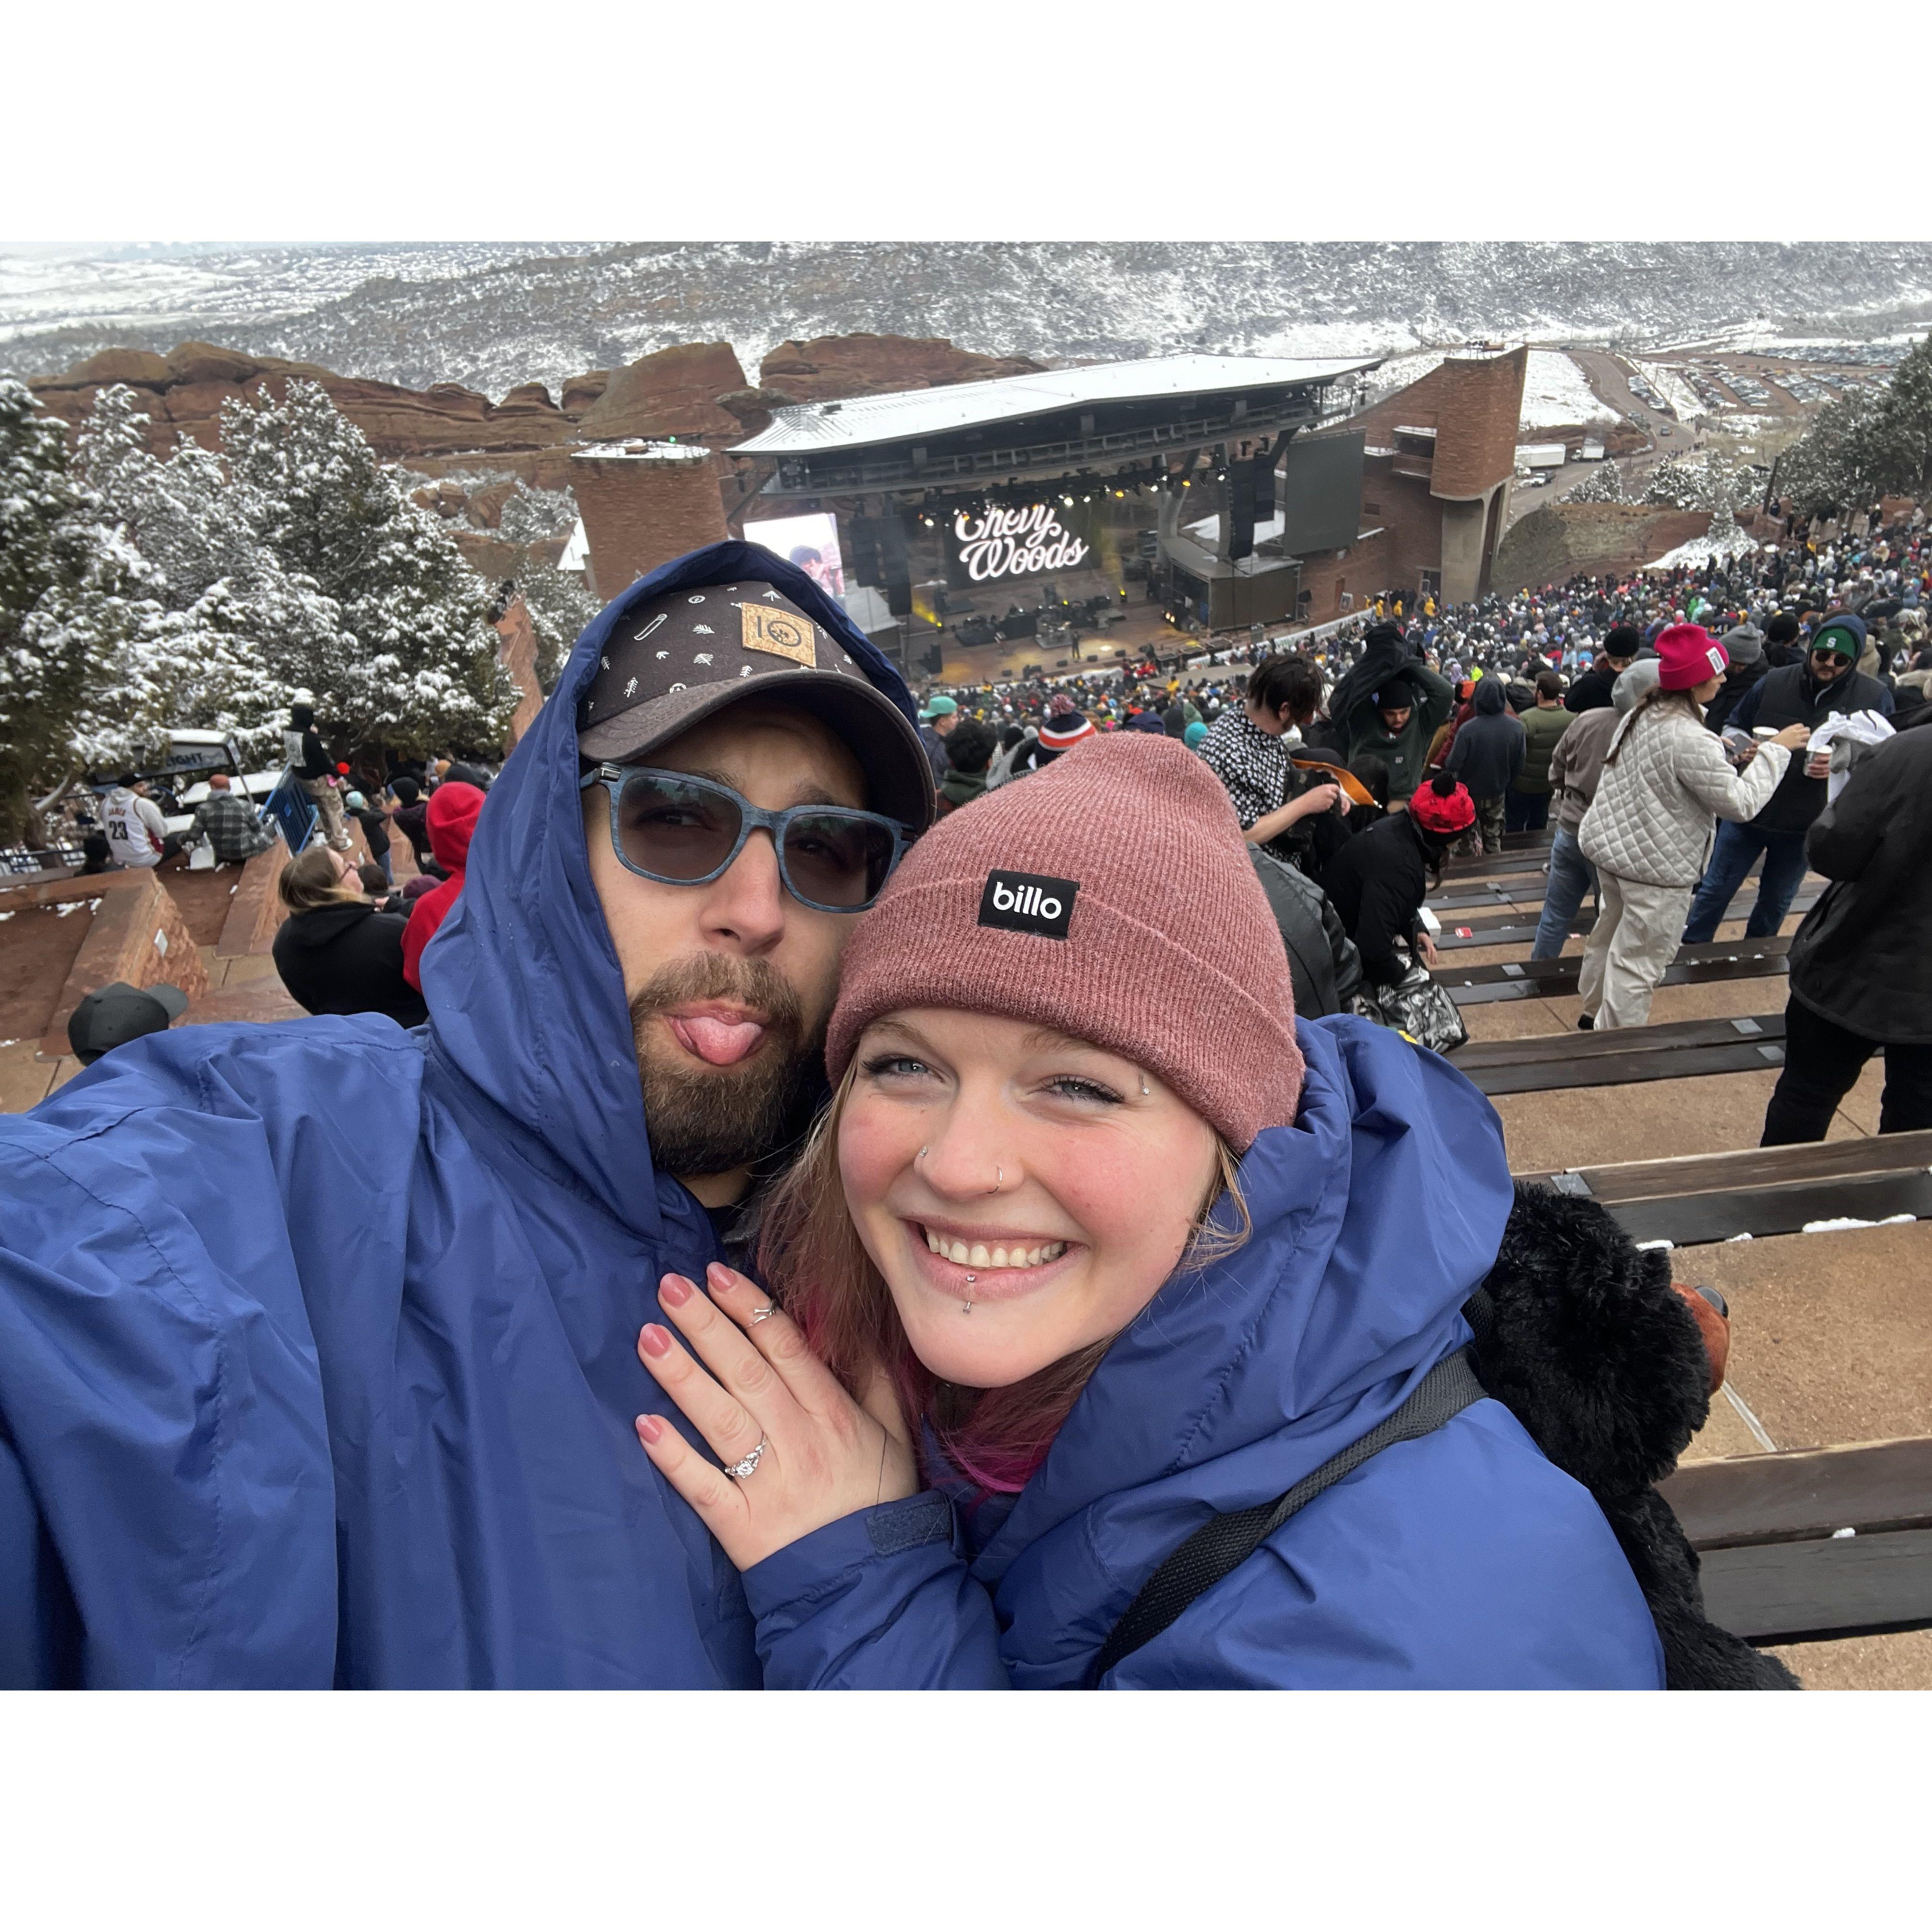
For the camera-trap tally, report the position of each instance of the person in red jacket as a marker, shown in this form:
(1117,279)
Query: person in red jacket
(451,818)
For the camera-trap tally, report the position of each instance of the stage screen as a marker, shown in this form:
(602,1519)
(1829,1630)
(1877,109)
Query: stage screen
(810,542)
(1321,493)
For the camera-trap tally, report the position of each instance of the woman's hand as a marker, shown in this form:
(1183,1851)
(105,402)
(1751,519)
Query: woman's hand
(824,1456)
(1794,737)
(1316,798)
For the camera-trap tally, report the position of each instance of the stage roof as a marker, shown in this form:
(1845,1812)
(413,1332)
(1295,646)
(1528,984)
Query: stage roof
(860,421)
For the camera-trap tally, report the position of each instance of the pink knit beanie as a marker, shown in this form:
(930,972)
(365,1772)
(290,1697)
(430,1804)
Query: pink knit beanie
(1110,897)
(1688,655)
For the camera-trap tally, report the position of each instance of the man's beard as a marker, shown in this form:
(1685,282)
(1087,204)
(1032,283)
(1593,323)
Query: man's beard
(711,1120)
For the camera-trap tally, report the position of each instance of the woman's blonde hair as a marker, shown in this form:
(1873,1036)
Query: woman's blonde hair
(312,879)
(817,1268)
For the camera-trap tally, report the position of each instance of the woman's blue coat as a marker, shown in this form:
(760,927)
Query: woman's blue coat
(1463,1558)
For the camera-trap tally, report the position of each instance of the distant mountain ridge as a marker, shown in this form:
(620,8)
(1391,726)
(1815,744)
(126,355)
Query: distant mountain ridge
(494,318)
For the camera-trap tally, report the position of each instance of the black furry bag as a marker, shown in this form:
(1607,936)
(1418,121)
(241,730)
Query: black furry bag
(1580,1335)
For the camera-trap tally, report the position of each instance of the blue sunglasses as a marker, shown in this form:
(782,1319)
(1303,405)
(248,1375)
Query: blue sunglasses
(680,830)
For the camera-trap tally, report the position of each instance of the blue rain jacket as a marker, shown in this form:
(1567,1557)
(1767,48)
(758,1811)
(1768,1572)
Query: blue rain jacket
(1464,1558)
(317,1340)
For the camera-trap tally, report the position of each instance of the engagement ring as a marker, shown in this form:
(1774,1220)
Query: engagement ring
(742,1470)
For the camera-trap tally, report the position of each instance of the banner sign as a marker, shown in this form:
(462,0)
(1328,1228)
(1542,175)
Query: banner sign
(1015,543)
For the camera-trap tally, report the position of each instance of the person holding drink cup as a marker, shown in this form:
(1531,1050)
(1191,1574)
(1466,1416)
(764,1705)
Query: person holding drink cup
(1823,685)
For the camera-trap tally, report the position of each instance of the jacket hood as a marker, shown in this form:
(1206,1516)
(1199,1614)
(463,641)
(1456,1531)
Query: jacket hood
(1375,1216)
(451,818)
(1490,698)
(323,925)
(525,993)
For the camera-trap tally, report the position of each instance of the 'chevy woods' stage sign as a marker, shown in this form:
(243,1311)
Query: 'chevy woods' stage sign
(1015,543)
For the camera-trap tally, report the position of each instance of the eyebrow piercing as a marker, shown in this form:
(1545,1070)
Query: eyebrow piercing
(1145,1089)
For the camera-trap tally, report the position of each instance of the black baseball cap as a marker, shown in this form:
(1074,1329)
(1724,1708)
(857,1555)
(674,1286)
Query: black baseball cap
(117,1013)
(679,657)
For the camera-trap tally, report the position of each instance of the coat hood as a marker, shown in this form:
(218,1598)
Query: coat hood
(525,993)
(1491,698)
(1375,1216)
(323,925)
(451,817)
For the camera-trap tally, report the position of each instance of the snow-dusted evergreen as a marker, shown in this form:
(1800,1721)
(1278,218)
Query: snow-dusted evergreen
(559,604)
(62,577)
(1867,444)
(414,662)
(140,593)
(216,633)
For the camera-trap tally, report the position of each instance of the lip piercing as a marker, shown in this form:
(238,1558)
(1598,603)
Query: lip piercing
(968,1309)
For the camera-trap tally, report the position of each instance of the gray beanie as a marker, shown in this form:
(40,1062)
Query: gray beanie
(1632,684)
(1744,644)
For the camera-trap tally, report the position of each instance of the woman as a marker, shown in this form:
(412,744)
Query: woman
(1378,880)
(1665,781)
(1110,1251)
(335,952)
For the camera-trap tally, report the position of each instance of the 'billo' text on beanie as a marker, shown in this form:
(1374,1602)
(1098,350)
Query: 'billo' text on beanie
(1110,897)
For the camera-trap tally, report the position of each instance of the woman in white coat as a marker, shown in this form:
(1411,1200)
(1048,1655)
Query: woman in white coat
(1666,782)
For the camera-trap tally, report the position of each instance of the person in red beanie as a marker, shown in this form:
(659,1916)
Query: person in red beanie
(1097,1254)
(1666,782)
(451,819)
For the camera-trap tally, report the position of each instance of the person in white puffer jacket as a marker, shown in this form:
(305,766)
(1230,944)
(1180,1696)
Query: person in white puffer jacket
(1666,782)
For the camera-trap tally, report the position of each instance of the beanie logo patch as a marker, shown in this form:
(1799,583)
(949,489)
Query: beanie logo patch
(1028,902)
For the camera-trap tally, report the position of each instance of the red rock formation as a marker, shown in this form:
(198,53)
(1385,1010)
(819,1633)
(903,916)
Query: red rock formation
(837,366)
(183,393)
(673,393)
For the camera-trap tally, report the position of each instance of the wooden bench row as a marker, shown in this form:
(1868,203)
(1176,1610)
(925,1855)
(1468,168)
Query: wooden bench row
(1556,978)
(1693,1199)
(1812,1543)
(1624,1056)
(1514,927)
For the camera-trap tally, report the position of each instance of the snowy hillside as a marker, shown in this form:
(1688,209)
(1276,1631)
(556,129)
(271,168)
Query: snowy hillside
(492,316)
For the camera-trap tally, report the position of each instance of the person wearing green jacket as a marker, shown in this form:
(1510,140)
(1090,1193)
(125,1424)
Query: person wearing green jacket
(1526,803)
(1396,722)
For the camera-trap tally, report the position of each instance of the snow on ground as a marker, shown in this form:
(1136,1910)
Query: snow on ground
(1556,393)
(1702,550)
(1682,399)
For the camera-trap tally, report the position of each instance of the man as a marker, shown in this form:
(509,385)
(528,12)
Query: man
(249,1438)
(969,752)
(1246,749)
(1487,756)
(411,817)
(1781,640)
(229,824)
(1744,644)
(1526,804)
(1592,692)
(936,725)
(1858,963)
(315,773)
(1800,694)
(1395,724)
(137,834)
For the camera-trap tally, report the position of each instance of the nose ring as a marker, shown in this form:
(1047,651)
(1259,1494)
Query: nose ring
(999,1181)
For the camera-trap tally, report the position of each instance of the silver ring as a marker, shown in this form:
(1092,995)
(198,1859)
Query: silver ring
(763,1314)
(742,1469)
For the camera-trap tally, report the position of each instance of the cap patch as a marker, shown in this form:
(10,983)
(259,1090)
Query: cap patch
(1028,902)
(780,632)
(1715,658)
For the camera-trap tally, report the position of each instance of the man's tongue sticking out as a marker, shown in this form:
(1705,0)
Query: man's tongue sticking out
(721,1042)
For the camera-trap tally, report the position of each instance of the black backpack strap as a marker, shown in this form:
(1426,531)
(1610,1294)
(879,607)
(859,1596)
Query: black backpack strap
(1223,1544)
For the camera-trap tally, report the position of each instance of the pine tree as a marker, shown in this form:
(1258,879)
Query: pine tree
(63,605)
(415,660)
(1604,484)
(1905,422)
(222,633)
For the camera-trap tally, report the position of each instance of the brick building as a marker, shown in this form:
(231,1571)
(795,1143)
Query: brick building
(1437,463)
(643,503)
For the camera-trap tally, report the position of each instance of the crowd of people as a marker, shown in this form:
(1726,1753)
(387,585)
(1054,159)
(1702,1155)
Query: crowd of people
(1466,723)
(896,1195)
